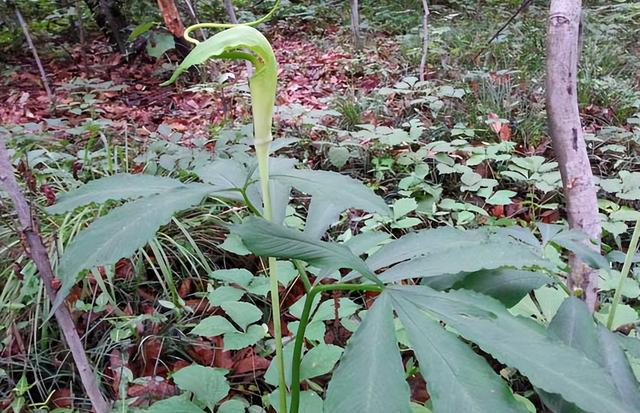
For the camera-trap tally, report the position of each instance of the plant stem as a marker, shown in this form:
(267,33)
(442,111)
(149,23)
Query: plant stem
(628,259)
(302,272)
(304,321)
(262,154)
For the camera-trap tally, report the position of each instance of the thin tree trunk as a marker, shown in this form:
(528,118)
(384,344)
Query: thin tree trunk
(425,39)
(194,16)
(355,24)
(34,247)
(231,13)
(27,35)
(568,139)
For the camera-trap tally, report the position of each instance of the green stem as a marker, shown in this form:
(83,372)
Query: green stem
(262,154)
(302,272)
(304,321)
(628,259)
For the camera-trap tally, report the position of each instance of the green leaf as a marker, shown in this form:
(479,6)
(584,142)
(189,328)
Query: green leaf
(159,44)
(121,232)
(331,194)
(140,30)
(206,383)
(370,377)
(237,341)
(213,326)
(116,187)
(174,404)
(266,239)
(239,276)
(310,402)
(573,324)
(457,244)
(319,360)
(441,251)
(458,379)
(504,284)
(520,343)
(338,156)
(242,313)
(224,294)
(502,197)
(233,406)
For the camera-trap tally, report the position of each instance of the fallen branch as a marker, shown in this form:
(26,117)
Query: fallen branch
(524,5)
(34,247)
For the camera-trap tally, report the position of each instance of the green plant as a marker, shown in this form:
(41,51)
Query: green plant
(469,279)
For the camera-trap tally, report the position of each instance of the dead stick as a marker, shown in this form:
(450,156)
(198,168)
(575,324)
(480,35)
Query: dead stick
(425,39)
(523,6)
(36,250)
(43,74)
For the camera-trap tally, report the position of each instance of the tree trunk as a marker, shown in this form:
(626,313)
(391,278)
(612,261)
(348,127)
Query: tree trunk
(173,22)
(228,6)
(568,139)
(425,39)
(110,20)
(355,25)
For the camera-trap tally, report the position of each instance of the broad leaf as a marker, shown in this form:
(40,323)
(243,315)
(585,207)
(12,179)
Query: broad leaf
(266,239)
(174,404)
(206,383)
(370,377)
(521,343)
(458,379)
(116,187)
(505,284)
(121,232)
(573,324)
(331,193)
(469,250)
(446,250)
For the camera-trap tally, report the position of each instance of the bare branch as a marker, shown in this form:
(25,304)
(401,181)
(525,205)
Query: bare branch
(38,253)
(425,39)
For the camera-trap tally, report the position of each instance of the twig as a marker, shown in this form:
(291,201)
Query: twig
(524,5)
(36,250)
(425,39)
(27,35)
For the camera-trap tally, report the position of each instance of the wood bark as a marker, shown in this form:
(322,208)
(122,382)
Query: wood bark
(425,39)
(35,248)
(173,22)
(355,24)
(568,139)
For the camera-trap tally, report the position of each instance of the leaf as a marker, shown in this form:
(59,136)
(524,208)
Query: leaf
(450,251)
(140,30)
(520,343)
(502,197)
(458,379)
(224,294)
(504,284)
(573,324)
(232,406)
(237,341)
(319,361)
(238,276)
(121,232)
(206,383)
(159,44)
(242,313)
(335,193)
(338,156)
(370,377)
(403,206)
(432,242)
(116,187)
(213,326)
(266,239)
(174,404)
(225,174)
(310,402)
